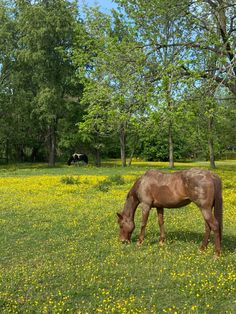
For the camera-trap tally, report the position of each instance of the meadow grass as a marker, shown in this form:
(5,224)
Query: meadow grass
(60,251)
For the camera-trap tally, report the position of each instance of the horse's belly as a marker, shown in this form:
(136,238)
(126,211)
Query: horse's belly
(170,199)
(170,203)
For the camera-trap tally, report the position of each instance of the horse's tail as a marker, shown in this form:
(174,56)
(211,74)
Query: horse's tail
(218,204)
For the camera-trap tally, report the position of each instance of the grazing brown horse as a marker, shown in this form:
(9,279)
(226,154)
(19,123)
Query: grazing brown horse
(172,190)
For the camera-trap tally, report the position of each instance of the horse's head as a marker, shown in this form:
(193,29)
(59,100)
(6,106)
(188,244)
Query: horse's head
(126,228)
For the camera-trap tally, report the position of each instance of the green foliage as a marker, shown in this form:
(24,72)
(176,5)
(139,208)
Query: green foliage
(70,180)
(114,180)
(103,186)
(139,82)
(40,74)
(113,91)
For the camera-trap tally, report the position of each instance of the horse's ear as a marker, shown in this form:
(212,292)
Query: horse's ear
(119,216)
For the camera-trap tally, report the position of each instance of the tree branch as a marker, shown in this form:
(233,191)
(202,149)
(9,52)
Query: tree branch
(209,74)
(211,3)
(190,45)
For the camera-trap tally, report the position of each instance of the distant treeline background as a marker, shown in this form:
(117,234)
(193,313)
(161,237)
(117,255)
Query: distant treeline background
(152,79)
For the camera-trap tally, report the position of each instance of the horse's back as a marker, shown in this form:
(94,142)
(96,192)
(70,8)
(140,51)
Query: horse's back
(163,189)
(177,189)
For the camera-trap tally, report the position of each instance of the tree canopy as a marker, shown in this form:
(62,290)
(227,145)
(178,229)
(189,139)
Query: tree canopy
(152,79)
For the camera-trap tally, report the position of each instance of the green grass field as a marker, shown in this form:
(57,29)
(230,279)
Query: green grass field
(60,251)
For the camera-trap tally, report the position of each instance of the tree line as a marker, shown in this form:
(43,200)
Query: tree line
(151,79)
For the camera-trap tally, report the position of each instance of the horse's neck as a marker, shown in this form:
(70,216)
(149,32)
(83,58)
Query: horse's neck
(130,207)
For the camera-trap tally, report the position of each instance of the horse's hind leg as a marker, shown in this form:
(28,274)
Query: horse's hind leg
(145,215)
(160,215)
(205,240)
(214,226)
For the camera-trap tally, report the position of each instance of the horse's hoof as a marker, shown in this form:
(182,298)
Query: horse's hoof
(216,256)
(139,243)
(162,242)
(202,249)
(125,241)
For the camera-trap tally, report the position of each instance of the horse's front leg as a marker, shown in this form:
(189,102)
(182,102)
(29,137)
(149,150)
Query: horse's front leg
(160,215)
(145,215)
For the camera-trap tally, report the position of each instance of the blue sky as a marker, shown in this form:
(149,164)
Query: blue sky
(106,5)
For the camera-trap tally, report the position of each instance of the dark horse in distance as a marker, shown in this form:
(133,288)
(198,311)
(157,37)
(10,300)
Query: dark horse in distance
(172,190)
(76,158)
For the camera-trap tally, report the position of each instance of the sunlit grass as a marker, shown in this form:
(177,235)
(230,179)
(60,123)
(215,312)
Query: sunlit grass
(60,253)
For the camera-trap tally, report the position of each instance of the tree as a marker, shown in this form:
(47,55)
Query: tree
(46,31)
(205,28)
(7,28)
(203,35)
(150,80)
(114,88)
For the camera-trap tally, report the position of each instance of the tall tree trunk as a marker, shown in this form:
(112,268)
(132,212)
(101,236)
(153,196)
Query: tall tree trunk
(170,126)
(52,144)
(122,145)
(171,146)
(34,154)
(97,157)
(7,149)
(211,143)
(20,156)
(132,155)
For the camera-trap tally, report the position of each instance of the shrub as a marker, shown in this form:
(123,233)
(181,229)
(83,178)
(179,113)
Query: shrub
(117,179)
(103,186)
(70,180)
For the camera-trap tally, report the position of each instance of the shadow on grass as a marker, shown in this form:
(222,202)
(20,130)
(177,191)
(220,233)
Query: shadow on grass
(228,241)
